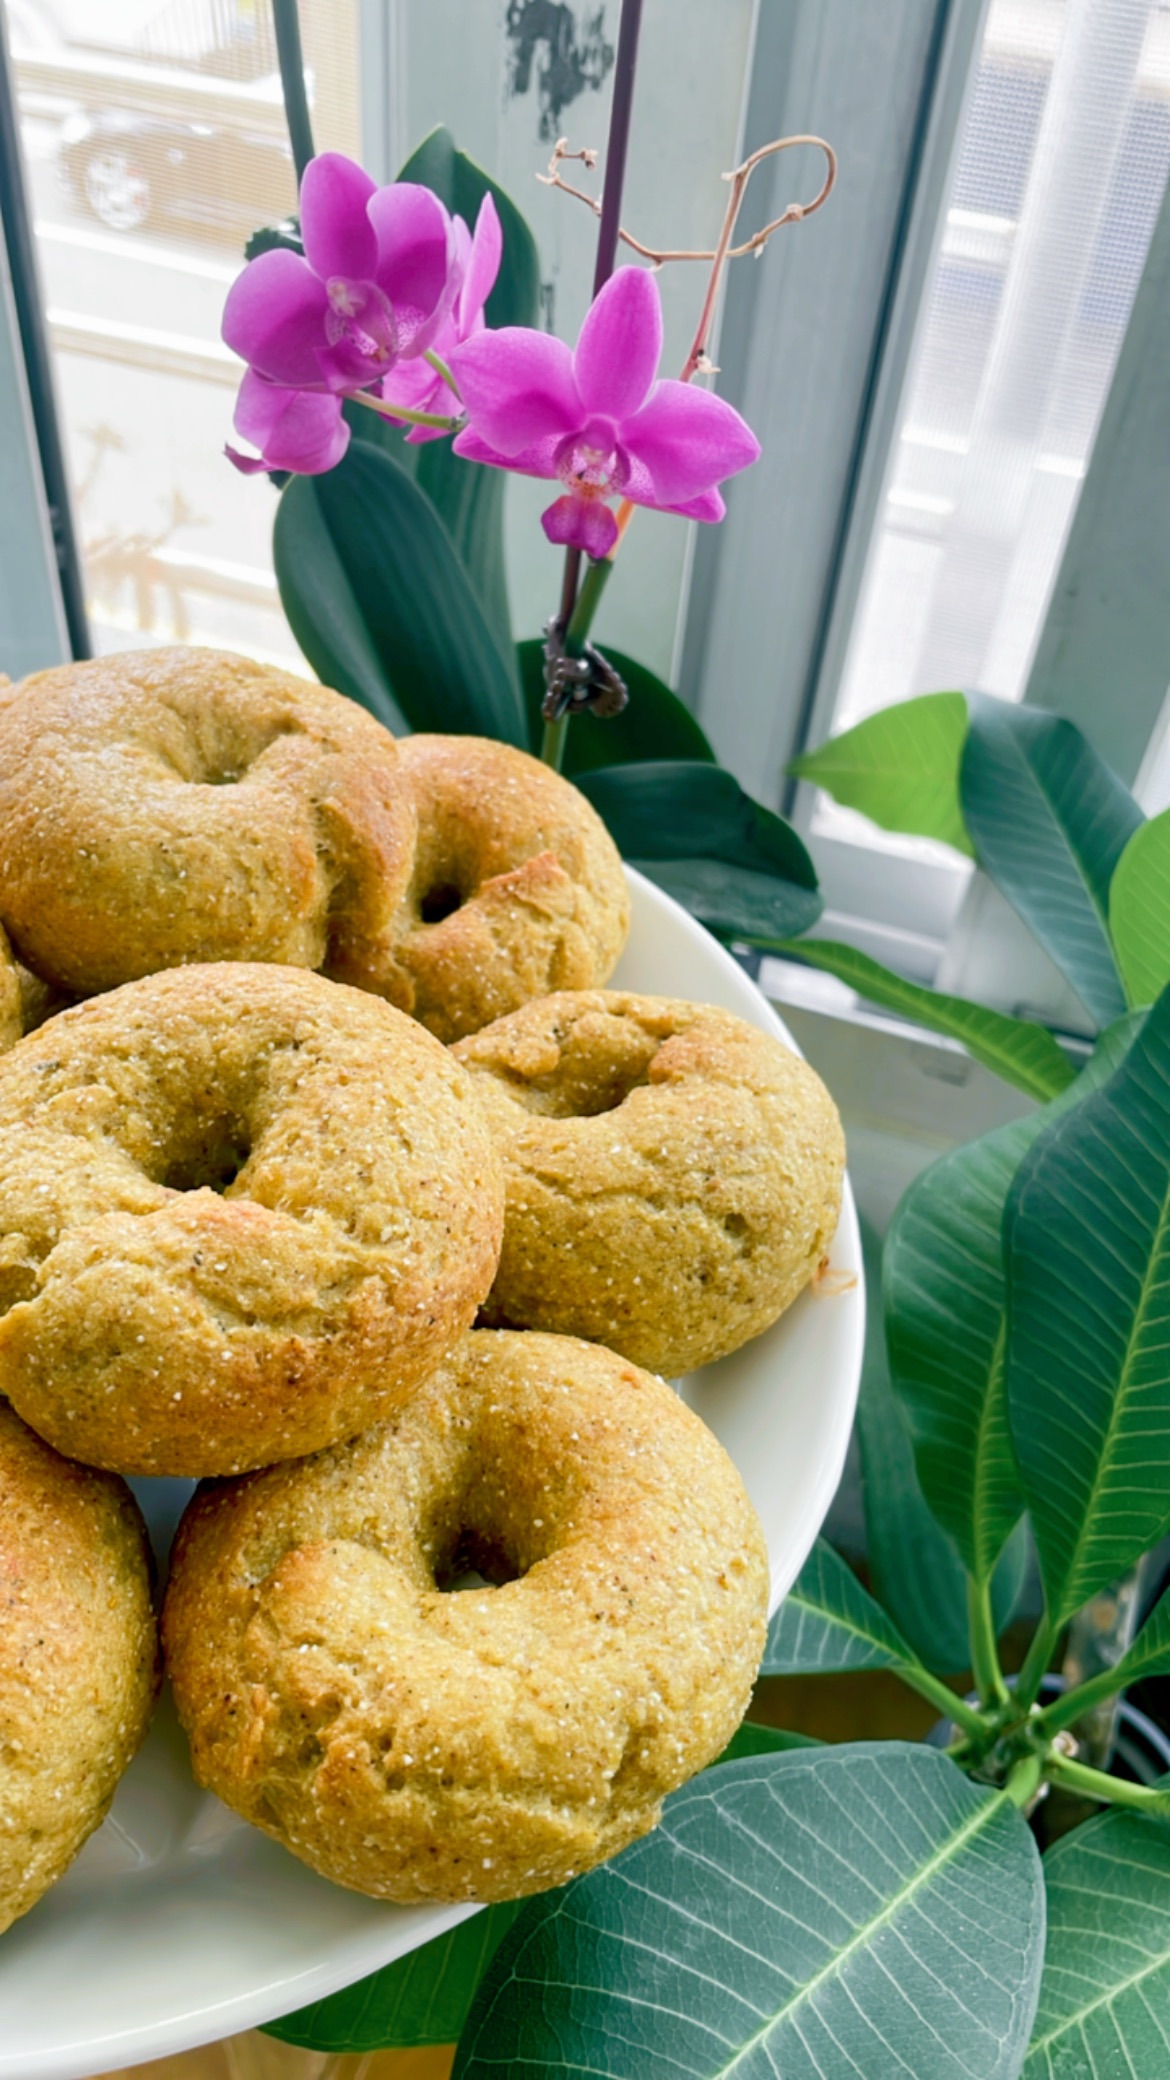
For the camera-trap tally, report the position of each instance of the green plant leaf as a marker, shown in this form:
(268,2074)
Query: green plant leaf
(899,767)
(1149,1652)
(438,164)
(689,826)
(753,1739)
(1024,1054)
(1105,1992)
(914,1568)
(655,725)
(405,602)
(944,1296)
(828,1622)
(422,1998)
(1049,821)
(825,1915)
(1139,910)
(1087,1241)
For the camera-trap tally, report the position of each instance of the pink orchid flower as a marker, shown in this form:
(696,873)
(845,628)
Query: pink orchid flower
(378,279)
(595,418)
(416,384)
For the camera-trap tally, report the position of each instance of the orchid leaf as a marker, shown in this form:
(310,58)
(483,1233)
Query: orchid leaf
(823,1914)
(899,767)
(691,828)
(1024,1054)
(655,725)
(1139,910)
(406,600)
(438,164)
(944,1295)
(1105,1991)
(1087,1245)
(1050,821)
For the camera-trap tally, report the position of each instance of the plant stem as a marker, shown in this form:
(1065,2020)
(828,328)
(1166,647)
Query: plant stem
(1112,1791)
(1036,1662)
(584,607)
(935,1691)
(400,413)
(984,1659)
(1085,1697)
(292,82)
(440,367)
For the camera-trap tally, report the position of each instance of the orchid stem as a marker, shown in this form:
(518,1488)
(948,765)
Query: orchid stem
(585,605)
(440,367)
(286,22)
(401,415)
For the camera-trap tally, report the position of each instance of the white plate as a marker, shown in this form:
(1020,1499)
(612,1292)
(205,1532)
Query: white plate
(178,1924)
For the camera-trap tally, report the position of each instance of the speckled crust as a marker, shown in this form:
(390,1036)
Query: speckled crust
(243,1212)
(11,996)
(78,1656)
(417,1745)
(521,878)
(673,1175)
(187,805)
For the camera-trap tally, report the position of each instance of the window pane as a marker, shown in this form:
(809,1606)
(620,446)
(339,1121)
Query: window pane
(1060,172)
(154,142)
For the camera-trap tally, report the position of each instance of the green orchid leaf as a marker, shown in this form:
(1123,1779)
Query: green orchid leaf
(691,828)
(1050,821)
(405,601)
(824,1914)
(1139,910)
(655,725)
(438,164)
(1105,1992)
(899,767)
(914,1567)
(828,1622)
(1024,1054)
(422,1998)
(1087,1243)
(944,1296)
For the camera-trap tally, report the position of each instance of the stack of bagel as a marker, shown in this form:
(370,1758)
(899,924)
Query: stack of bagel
(331,1176)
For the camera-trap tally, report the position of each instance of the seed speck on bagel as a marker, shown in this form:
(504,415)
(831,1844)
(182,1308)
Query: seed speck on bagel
(243,1212)
(673,1175)
(78,1656)
(421,1745)
(177,805)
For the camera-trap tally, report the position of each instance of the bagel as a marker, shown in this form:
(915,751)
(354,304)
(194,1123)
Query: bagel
(78,1656)
(12,1001)
(673,1176)
(517,887)
(186,805)
(416,1745)
(243,1211)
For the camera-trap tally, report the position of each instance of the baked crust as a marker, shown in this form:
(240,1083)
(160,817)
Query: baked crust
(78,1656)
(243,1212)
(165,806)
(517,887)
(673,1176)
(416,1745)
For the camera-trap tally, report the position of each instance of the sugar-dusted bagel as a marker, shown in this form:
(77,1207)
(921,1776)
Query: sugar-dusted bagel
(243,1212)
(181,805)
(517,887)
(673,1175)
(422,1745)
(78,1656)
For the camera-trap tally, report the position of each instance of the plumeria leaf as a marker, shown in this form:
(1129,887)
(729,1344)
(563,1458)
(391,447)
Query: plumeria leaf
(1139,910)
(1024,1054)
(914,1567)
(1050,821)
(1087,1243)
(944,1295)
(406,599)
(899,767)
(655,725)
(1149,1652)
(1105,1991)
(422,1998)
(824,1914)
(753,1739)
(828,1622)
(689,826)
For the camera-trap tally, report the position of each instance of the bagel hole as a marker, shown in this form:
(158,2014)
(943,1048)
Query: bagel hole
(441,900)
(210,1163)
(475,1561)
